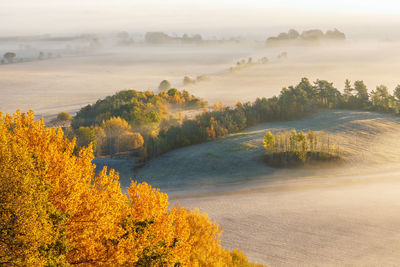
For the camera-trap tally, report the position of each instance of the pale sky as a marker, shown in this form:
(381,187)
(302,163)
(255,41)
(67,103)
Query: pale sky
(20,17)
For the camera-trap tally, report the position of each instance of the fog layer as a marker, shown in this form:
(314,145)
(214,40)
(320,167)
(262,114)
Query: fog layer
(68,83)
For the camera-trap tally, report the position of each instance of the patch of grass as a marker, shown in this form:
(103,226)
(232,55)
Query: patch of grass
(239,147)
(250,145)
(213,155)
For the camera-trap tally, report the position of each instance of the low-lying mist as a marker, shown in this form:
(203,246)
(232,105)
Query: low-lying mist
(374,62)
(68,83)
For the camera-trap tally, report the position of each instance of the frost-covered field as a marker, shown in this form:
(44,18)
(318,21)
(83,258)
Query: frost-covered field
(344,215)
(369,140)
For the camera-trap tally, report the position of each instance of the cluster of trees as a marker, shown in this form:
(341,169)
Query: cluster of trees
(117,123)
(63,119)
(137,108)
(309,35)
(357,96)
(196,38)
(206,126)
(188,81)
(11,57)
(294,102)
(111,137)
(163,38)
(56,212)
(292,148)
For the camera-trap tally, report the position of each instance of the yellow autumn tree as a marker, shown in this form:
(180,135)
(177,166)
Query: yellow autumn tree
(56,211)
(28,222)
(90,215)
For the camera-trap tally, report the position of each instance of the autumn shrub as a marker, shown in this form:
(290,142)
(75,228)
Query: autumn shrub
(64,116)
(56,212)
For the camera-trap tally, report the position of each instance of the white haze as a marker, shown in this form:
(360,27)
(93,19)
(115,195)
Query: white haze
(254,18)
(70,82)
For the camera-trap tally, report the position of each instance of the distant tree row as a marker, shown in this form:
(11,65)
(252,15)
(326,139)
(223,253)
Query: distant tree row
(163,38)
(309,35)
(294,102)
(241,64)
(139,116)
(11,57)
(294,148)
(188,81)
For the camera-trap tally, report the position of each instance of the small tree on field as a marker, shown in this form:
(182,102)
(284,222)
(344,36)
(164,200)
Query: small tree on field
(10,56)
(62,119)
(64,116)
(164,86)
(269,141)
(187,81)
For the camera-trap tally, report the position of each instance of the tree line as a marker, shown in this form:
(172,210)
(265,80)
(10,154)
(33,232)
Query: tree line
(293,102)
(109,123)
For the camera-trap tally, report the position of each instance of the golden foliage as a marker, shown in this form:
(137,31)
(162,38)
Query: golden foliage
(56,211)
(218,106)
(114,136)
(129,141)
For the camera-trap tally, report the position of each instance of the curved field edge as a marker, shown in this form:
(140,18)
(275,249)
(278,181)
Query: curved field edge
(368,138)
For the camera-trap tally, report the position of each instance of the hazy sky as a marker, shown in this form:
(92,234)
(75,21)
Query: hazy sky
(216,16)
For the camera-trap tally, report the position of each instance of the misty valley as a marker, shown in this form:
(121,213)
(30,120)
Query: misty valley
(199,145)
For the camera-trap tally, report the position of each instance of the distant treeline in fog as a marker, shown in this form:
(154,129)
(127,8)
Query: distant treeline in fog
(294,37)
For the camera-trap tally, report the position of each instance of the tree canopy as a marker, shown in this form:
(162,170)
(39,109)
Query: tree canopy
(56,211)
